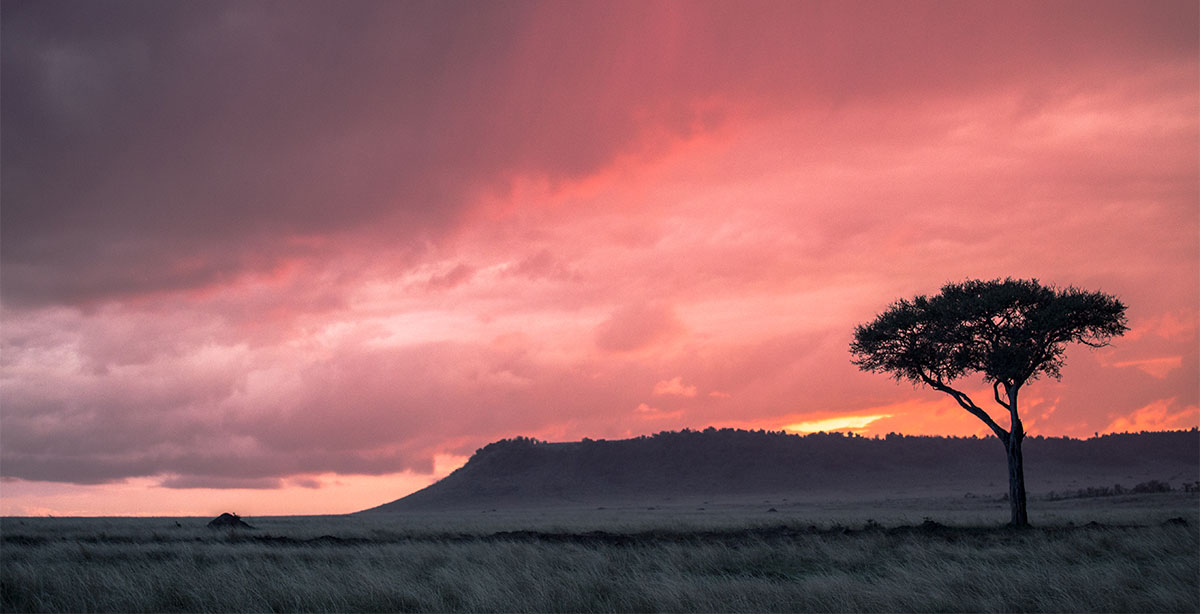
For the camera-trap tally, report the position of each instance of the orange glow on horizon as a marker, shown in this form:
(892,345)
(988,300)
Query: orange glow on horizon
(840,423)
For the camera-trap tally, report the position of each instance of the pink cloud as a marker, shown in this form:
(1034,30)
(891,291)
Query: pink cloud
(674,386)
(648,413)
(636,326)
(1158,367)
(460,274)
(1157,416)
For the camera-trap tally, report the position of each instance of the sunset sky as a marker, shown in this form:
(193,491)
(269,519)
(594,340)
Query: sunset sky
(306,257)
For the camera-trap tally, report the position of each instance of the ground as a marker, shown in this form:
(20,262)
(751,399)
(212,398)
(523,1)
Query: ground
(1121,553)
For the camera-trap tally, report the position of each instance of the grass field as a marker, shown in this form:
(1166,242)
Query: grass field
(897,555)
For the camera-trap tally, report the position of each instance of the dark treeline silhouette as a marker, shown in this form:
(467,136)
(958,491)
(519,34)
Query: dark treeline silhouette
(716,462)
(1116,490)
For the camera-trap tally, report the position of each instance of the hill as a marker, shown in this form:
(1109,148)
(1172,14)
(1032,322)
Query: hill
(712,463)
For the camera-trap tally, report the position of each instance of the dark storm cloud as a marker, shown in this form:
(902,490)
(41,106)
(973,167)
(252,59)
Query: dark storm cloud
(159,146)
(168,145)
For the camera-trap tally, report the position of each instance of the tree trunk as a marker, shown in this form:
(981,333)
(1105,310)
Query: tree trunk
(1016,462)
(1016,483)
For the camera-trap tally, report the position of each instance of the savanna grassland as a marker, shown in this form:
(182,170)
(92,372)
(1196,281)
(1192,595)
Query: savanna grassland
(1129,553)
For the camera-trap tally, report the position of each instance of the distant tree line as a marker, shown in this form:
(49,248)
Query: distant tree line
(765,453)
(732,434)
(1153,486)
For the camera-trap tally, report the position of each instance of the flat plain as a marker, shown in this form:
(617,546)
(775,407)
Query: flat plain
(1130,553)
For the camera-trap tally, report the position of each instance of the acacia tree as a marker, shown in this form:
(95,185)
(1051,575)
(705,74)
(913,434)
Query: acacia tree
(1010,331)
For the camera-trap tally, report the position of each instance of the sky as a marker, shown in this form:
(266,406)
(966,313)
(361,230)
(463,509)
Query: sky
(306,257)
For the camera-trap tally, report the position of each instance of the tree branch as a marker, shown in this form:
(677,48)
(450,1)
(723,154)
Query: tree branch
(966,403)
(996,392)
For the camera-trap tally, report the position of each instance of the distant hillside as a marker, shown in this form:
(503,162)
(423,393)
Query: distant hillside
(524,472)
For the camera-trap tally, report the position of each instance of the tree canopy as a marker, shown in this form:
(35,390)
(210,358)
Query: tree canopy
(1010,331)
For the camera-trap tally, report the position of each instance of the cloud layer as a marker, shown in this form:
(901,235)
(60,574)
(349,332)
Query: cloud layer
(260,246)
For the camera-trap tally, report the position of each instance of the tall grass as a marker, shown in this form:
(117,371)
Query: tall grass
(113,566)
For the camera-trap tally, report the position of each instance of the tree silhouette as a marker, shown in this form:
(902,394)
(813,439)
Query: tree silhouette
(1011,331)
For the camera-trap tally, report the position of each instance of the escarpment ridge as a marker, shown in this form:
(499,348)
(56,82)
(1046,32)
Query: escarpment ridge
(715,463)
